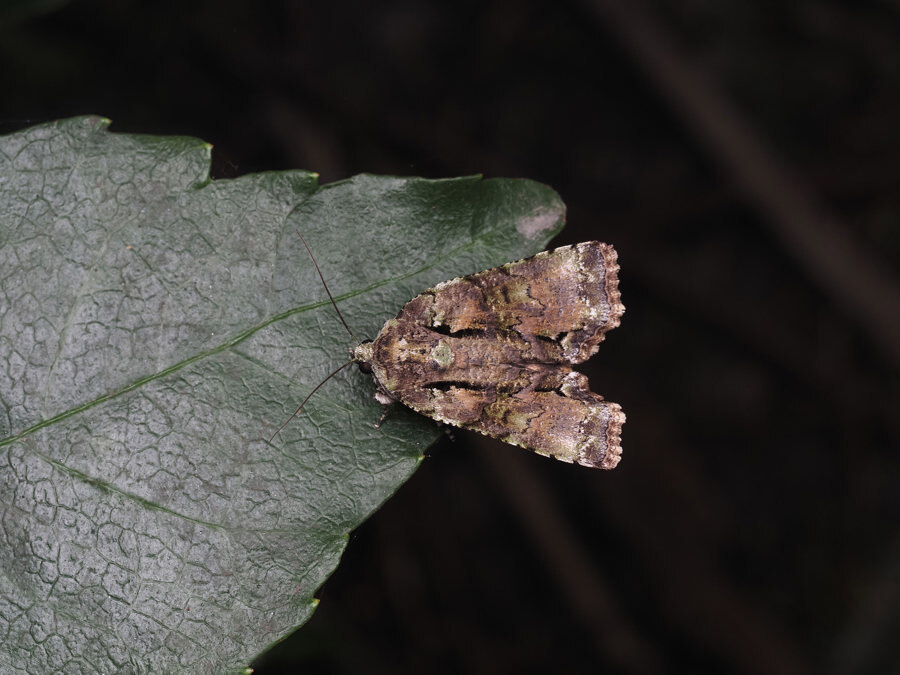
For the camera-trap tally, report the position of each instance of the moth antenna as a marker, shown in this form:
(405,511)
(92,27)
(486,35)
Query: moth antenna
(309,396)
(340,316)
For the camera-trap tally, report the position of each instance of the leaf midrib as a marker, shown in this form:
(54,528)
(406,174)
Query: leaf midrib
(228,344)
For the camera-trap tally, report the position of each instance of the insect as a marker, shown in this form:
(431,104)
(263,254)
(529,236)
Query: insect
(492,352)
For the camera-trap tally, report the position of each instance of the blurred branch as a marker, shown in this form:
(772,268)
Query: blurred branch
(845,389)
(581,582)
(868,640)
(858,281)
(655,506)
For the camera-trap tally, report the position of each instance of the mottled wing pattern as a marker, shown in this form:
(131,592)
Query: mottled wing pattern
(491,352)
(572,424)
(569,296)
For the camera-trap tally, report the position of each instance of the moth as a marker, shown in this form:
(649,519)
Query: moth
(493,352)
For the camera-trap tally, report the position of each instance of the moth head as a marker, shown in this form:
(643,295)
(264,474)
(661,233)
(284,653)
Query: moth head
(363,354)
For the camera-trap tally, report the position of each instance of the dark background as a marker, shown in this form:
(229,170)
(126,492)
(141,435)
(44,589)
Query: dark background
(744,159)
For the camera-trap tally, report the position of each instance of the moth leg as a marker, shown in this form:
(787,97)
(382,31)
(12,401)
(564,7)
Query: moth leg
(384,397)
(384,413)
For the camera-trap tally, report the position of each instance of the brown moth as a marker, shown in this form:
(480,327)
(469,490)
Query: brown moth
(492,352)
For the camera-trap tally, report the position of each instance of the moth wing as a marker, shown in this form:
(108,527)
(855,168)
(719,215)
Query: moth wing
(567,422)
(583,429)
(568,298)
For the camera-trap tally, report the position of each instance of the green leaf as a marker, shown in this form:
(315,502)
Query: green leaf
(156,327)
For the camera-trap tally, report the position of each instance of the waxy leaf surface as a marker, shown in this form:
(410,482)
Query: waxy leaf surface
(156,327)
